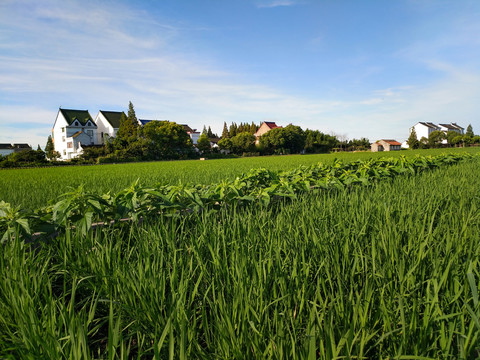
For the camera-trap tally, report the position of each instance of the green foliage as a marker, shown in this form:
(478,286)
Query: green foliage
(435,138)
(287,140)
(318,142)
(166,140)
(413,142)
(203,143)
(50,149)
(469,131)
(128,131)
(357,274)
(242,143)
(225,133)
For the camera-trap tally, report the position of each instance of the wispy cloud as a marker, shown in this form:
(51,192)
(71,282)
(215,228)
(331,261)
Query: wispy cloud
(275,3)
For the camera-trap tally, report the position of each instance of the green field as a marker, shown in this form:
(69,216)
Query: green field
(385,271)
(33,188)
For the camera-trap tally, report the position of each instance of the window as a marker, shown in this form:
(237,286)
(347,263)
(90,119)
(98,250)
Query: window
(64,152)
(70,145)
(63,129)
(89,124)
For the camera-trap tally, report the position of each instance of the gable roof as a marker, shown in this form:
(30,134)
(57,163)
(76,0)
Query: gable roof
(22,146)
(429,124)
(389,141)
(271,124)
(143,121)
(81,115)
(6,146)
(113,117)
(452,126)
(188,129)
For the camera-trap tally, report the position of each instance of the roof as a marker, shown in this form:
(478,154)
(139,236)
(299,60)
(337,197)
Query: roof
(21,146)
(391,142)
(429,124)
(188,129)
(113,117)
(452,126)
(6,146)
(143,121)
(81,115)
(271,124)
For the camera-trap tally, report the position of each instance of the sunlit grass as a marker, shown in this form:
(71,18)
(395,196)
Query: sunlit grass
(389,271)
(33,188)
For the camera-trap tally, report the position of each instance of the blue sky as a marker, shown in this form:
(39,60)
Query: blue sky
(353,68)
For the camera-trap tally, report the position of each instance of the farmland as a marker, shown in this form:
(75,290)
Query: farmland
(32,188)
(386,270)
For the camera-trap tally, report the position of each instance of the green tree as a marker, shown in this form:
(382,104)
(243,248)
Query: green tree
(318,142)
(128,131)
(413,142)
(287,140)
(469,131)
(210,133)
(225,134)
(243,142)
(50,152)
(166,140)
(225,144)
(435,138)
(203,144)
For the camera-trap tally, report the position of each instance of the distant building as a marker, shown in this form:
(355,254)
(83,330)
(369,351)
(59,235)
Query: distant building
(71,130)
(265,127)
(7,149)
(424,129)
(108,123)
(385,145)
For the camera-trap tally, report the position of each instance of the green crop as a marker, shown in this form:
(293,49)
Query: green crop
(33,188)
(82,209)
(389,270)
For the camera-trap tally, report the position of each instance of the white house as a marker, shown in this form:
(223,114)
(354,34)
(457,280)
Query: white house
(108,123)
(72,129)
(451,127)
(424,129)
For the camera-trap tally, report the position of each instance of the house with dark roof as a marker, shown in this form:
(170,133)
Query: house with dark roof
(108,123)
(385,145)
(424,129)
(265,127)
(71,130)
(7,149)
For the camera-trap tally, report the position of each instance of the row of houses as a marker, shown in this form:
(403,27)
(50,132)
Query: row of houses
(7,149)
(74,129)
(423,130)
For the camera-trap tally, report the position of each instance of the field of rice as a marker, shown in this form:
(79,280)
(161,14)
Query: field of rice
(33,188)
(388,270)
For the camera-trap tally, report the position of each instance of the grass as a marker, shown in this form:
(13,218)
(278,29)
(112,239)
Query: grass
(390,271)
(33,188)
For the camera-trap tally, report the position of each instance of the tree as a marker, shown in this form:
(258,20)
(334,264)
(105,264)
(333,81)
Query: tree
(128,131)
(204,131)
(203,143)
(435,138)
(210,134)
(469,131)
(166,140)
(318,142)
(50,150)
(225,134)
(287,140)
(225,144)
(451,135)
(412,141)
(243,142)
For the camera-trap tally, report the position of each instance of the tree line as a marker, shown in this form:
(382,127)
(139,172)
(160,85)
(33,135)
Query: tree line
(436,139)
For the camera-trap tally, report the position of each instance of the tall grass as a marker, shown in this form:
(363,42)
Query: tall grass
(34,188)
(385,272)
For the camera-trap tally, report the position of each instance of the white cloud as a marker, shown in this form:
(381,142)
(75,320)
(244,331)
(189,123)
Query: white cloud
(275,3)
